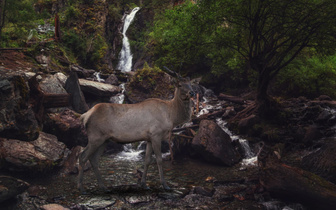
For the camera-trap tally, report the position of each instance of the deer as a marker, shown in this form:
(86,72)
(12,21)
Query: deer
(151,120)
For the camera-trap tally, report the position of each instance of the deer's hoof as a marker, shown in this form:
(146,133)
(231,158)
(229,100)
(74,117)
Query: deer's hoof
(83,192)
(166,187)
(145,187)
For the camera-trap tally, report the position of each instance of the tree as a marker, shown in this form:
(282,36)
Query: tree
(270,34)
(266,34)
(2,14)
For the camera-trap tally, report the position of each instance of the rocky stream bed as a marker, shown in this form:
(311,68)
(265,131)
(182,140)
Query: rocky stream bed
(41,135)
(194,185)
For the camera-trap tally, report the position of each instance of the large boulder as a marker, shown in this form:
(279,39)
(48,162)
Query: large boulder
(98,89)
(17,119)
(149,83)
(11,187)
(43,154)
(214,145)
(67,127)
(323,160)
(77,99)
(52,85)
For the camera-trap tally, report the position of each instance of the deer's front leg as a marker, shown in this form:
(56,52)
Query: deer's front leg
(149,151)
(157,150)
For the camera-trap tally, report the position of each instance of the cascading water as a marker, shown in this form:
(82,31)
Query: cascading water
(250,158)
(130,153)
(125,62)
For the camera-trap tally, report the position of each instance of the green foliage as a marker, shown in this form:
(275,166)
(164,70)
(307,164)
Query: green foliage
(234,37)
(186,36)
(146,78)
(19,20)
(308,76)
(177,36)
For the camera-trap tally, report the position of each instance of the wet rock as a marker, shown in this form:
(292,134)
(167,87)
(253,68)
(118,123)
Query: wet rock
(312,133)
(42,154)
(112,80)
(82,72)
(229,192)
(214,145)
(98,202)
(67,127)
(36,190)
(323,160)
(61,78)
(202,191)
(77,99)
(197,201)
(10,187)
(324,116)
(98,89)
(53,206)
(17,119)
(51,84)
(138,199)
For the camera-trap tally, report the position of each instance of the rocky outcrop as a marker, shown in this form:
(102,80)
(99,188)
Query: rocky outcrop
(10,187)
(43,154)
(67,127)
(77,99)
(214,145)
(17,119)
(323,160)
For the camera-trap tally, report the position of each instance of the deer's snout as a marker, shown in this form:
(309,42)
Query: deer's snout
(192,93)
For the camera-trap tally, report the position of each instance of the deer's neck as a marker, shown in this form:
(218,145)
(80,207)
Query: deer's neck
(181,109)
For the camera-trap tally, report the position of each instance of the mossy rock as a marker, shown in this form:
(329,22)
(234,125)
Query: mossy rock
(149,83)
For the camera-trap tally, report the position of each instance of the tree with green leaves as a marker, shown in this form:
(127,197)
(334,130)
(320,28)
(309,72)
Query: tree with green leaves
(270,34)
(267,34)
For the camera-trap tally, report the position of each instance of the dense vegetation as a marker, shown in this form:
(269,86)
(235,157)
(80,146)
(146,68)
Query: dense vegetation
(277,47)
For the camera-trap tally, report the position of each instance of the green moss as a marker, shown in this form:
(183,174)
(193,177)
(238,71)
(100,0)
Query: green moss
(147,78)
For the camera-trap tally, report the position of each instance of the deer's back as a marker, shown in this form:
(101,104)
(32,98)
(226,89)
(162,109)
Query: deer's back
(130,122)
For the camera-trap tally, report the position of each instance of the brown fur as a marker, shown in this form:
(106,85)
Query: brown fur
(151,120)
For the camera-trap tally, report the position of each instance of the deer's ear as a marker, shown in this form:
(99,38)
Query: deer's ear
(196,81)
(176,82)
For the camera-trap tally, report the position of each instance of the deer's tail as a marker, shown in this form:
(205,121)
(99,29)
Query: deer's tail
(85,117)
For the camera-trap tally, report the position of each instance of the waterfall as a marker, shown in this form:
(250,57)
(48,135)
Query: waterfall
(125,62)
(250,158)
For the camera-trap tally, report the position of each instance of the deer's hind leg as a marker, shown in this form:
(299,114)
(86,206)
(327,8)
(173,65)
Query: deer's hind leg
(88,154)
(94,160)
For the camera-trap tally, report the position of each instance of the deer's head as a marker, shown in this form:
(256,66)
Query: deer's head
(182,84)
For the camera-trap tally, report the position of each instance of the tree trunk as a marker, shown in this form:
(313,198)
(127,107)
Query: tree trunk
(263,102)
(2,14)
(263,82)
